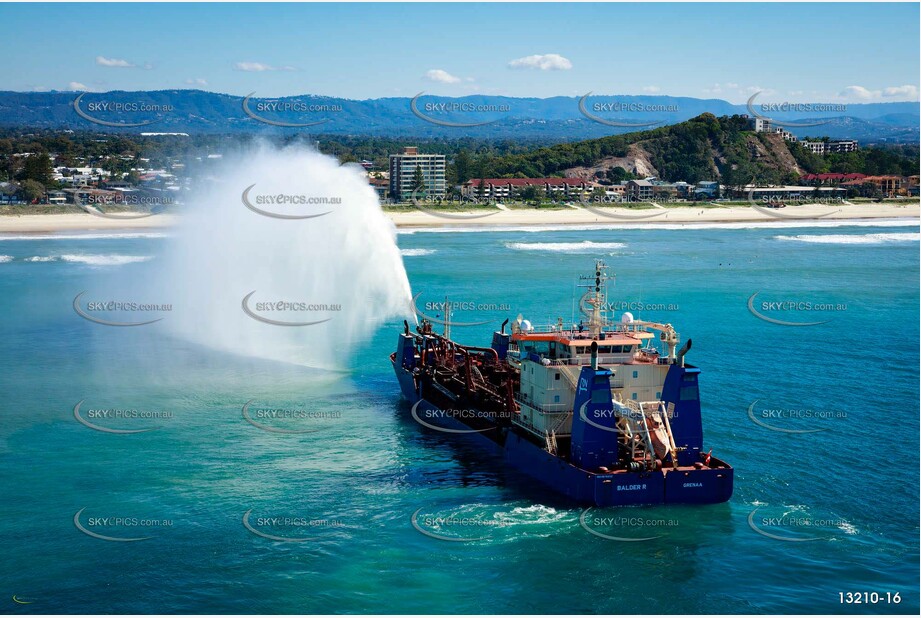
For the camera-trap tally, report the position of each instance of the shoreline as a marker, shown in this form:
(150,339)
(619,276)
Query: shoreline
(617,218)
(626,217)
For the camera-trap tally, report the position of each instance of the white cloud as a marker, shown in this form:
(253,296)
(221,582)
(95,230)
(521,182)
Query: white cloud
(441,76)
(114,62)
(733,90)
(651,89)
(258,67)
(859,92)
(77,86)
(543,62)
(196,82)
(908,91)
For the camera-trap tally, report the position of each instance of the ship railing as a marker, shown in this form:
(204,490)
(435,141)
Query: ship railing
(541,433)
(604,359)
(553,408)
(560,422)
(617,327)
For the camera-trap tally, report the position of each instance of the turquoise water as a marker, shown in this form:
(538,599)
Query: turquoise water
(847,494)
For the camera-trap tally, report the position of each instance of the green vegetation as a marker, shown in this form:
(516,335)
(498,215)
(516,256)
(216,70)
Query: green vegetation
(703,148)
(683,151)
(879,161)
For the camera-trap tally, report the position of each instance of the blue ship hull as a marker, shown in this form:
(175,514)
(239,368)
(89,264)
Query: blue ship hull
(684,485)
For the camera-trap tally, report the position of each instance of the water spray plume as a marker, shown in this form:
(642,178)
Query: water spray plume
(331,247)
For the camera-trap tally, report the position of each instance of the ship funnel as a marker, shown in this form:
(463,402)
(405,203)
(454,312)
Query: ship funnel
(684,350)
(500,342)
(595,355)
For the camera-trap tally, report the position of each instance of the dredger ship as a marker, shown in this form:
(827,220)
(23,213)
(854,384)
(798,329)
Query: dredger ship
(595,411)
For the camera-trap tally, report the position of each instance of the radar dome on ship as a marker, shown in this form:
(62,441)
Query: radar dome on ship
(526,325)
(626,318)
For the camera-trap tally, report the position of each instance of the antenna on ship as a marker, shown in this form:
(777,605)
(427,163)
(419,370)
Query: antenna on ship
(447,333)
(596,298)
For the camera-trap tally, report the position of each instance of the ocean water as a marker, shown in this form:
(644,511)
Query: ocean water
(820,422)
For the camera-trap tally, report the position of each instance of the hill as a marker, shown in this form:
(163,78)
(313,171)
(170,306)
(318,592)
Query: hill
(703,148)
(550,119)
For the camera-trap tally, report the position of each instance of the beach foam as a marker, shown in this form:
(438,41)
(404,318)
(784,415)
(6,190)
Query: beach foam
(586,246)
(734,225)
(102,260)
(854,239)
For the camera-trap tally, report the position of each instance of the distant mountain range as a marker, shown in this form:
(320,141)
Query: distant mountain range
(555,118)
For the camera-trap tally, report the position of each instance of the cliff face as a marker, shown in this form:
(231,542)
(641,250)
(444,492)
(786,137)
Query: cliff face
(703,148)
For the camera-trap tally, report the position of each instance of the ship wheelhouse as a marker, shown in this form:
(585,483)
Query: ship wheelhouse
(550,359)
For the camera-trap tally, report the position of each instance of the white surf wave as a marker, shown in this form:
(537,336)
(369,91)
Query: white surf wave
(42,258)
(854,239)
(104,260)
(416,252)
(6,258)
(736,225)
(586,246)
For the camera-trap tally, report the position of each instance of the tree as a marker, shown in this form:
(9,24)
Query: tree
(481,189)
(418,180)
(462,166)
(37,167)
(616,174)
(31,190)
(530,193)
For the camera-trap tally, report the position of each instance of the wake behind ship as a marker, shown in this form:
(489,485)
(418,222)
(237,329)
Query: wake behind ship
(594,411)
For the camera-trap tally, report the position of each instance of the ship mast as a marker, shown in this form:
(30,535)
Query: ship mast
(596,298)
(447,330)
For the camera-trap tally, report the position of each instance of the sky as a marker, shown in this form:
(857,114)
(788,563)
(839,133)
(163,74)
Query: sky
(843,52)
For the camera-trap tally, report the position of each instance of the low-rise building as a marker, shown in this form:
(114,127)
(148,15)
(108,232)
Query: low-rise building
(889,186)
(707,189)
(789,192)
(639,190)
(505,188)
(825,147)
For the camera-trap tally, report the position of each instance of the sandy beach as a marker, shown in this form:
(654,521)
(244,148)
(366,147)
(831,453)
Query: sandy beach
(52,223)
(614,217)
(621,217)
